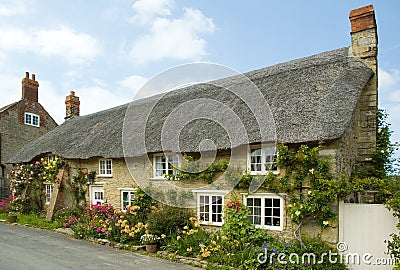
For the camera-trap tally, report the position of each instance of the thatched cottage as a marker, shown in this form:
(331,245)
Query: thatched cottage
(327,99)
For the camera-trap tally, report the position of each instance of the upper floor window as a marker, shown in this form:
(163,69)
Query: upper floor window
(263,160)
(105,167)
(165,165)
(266,211)
(32,119)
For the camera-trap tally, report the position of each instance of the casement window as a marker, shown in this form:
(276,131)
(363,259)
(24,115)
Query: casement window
(263,160)
(127,197)
(49,192)
(209,208)
(266,211)
(165,165)
(32,119)
(105,167)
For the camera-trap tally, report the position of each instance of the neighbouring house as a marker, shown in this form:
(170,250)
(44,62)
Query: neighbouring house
(20,123)
(328,99)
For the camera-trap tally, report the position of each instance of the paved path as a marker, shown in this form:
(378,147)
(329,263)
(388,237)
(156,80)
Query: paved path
(29,248)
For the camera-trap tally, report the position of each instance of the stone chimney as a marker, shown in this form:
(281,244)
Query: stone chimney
(72,105)
(30,88)
(364,45)
(364,36)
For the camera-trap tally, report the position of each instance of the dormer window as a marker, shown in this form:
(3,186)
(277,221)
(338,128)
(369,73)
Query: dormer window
(165,165)
(262,160)
(32,119)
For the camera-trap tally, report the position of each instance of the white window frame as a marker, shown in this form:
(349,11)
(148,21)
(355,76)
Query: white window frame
(131,196)
(263,207)
(30,122)
(264,170)
(211,209)
(167,169)
(104,169)
(49,192)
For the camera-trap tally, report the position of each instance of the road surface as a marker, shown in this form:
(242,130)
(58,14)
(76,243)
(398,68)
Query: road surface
(30,249)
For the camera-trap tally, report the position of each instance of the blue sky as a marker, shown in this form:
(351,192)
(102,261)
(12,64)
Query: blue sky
(106,49)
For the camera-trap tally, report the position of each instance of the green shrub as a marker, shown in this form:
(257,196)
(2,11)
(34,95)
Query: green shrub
(168,220)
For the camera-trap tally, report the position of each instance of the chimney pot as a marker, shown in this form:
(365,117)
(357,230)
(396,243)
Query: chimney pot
(30,88)
(362,18)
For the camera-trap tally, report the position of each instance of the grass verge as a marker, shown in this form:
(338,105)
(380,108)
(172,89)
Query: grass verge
(33,220)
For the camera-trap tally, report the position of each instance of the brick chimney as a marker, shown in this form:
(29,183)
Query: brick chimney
(72,105)
(30,88)
(364,45)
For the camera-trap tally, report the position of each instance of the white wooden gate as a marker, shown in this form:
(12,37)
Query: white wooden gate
(363,229)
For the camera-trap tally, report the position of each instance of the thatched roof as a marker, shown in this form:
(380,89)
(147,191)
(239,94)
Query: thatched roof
(311,99)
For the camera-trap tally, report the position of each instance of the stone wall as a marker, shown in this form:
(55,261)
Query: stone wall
(364,40)
(142,175)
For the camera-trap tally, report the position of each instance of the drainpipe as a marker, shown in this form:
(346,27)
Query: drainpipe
(3,167)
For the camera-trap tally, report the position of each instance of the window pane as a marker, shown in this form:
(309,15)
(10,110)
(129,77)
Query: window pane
(28,119)
(270,158)
(124,200)
(268,202)
(132,197)
(268,212)
(102,167)
(277,202)
(276,212)
(255,210)
(276,221)
(108,167)
(49,192)
(35,120)
(268,221)
(256,160)
(250,201)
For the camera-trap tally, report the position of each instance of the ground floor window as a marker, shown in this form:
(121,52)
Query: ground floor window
(209,208)
(266,211)
(127,198)
(49,192)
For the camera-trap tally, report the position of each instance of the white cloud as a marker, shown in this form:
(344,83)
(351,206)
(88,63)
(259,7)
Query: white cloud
(170,38)
(147,10)
(13,7)
(72,46)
